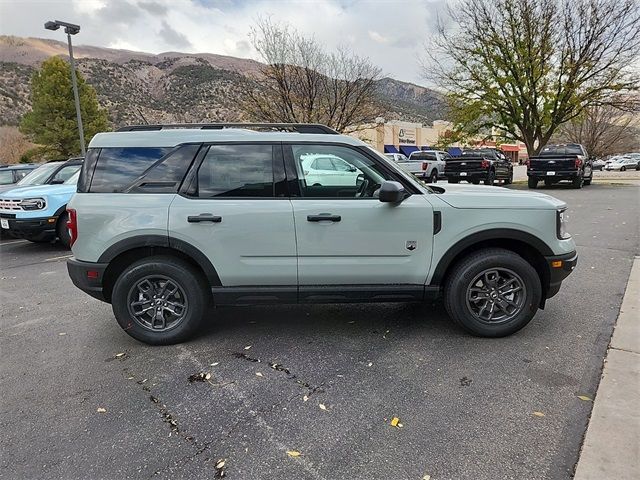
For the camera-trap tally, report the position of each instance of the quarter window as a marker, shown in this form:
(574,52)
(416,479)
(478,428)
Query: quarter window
(117,168)
(236,171)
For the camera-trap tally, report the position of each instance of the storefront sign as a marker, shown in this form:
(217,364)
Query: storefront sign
(407,136)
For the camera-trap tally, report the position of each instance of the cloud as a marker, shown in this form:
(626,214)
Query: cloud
(389,32)
(174,38)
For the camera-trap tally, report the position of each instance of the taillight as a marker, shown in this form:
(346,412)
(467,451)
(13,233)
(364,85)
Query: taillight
(578,161)
(425,165)
(485,164)
(72,225)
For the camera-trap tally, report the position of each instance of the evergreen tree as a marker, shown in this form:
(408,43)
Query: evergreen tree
(52,121)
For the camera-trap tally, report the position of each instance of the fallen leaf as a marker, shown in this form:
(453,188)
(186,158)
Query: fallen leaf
(584,398)
(370,364)
(247,347)
(426,477)
(400,425)
(322,406)
(395,421)
(220,464)
(293,453)
(62,333)
(199,377)
(258,374)
(207,376)
(538,414)
(101,410)
(121,354)
(305,398)
(215,364)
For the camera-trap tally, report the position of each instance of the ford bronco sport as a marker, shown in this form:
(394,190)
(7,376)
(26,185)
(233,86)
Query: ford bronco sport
(168,220)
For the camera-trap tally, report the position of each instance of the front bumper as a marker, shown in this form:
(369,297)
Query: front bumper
(560,266)
(37,229)
(557,174)
(87,276)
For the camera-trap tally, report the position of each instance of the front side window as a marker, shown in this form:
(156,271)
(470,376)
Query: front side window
(39,175)
(236,171)
(65,173)
(351,175)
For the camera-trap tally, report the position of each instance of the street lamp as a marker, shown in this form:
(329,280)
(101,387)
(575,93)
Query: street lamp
(71,29)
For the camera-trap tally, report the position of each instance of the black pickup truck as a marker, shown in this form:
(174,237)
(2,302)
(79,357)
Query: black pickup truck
(561,162)
(486,164)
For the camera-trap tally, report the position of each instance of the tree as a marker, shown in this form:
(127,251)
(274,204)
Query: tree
(13,144)
(528,66)
(52,121)
(603,130)
(300,82)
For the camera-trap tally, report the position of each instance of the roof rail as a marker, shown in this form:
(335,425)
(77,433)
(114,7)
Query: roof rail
(294,127)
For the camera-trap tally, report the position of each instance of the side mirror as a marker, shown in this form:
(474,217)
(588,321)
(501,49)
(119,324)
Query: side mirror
(57,181)
(391,192)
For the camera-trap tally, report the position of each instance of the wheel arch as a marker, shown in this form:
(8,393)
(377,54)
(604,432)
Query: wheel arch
(124,253)
(529,247)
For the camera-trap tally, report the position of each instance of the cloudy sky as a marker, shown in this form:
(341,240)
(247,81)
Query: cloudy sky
(389,32)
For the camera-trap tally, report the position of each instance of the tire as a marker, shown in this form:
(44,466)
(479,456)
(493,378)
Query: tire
(532,182)
(62,231)
(451,180)
(190,291)
(578,182)
(587,181)
(509,179)
(491,177)
(638,166)
(464,305)
(475,182)
(623,168)
(433,178)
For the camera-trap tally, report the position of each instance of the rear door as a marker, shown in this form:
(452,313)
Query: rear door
(234,209)
(346,236)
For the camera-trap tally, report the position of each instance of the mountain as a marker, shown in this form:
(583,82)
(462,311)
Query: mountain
(138,87)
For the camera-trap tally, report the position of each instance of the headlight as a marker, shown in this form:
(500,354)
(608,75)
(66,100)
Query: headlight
(561,224)
(33,204)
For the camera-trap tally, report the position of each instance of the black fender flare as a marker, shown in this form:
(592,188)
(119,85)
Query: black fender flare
(486,235)
(142,241)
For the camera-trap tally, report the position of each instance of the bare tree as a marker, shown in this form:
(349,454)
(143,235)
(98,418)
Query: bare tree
(528,66)
(300,82)
(603,130)
(13,144)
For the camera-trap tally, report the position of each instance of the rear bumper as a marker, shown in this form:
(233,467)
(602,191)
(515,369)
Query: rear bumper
(472,174)
(38,229)
(557,175)
(560,267)
(87,276)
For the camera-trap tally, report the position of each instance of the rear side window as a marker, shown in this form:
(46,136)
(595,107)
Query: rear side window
(117,168)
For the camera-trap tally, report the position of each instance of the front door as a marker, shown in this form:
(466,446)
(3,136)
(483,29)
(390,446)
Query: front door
(235,212)
(345,235)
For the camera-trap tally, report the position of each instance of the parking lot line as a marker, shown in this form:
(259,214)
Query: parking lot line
(58,258)
(11,242)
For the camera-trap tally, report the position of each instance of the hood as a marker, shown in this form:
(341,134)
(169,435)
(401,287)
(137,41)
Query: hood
(476,196)
(39,190)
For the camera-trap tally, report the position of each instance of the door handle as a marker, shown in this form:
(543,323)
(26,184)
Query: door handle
(204,217)
(321,217)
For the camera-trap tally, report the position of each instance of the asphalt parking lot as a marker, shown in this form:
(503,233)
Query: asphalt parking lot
(466,404)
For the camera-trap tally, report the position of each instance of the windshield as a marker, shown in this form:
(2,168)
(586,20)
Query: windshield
(74,179)
(39,175)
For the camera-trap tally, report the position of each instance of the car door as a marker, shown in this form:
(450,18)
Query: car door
(234,210)
(346,236)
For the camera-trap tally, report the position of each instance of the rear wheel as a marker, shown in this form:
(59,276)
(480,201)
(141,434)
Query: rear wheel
(532,182)
(491,177)
(492,293)
(623,168)
(578,182)
(62,231)
(433,178)
(160,300)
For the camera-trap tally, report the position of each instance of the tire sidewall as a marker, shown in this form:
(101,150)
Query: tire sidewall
(62,231)
(468,269)
(179,272)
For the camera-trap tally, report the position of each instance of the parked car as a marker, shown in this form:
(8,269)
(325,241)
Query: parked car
(55,172)
(194,218)
(12,174)
(476,165)
(560,162)
(38,213)
(598,164)
(623,163)
(396,157)
(432,164)
(328,170)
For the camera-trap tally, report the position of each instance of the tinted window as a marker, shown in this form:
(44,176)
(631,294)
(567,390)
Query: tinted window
(423,156)
(561,150)
(117,168)
(20,174)
(236,171)
(40,174)
(165,176)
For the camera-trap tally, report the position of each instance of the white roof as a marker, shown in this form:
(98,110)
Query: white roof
(176,136)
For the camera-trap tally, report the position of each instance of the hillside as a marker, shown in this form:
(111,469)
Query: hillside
(139,87)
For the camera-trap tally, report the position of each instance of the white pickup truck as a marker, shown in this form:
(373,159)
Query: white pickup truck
(427,165)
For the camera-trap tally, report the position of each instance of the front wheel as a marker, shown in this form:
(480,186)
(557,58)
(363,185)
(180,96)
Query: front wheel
(492,293)
(160,300)
(491,178)
(622,169)
(433,178)
(62,231)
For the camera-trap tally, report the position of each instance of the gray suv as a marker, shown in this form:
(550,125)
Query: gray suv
(169,220)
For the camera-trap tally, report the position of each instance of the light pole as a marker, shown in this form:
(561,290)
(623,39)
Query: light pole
(71,29)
